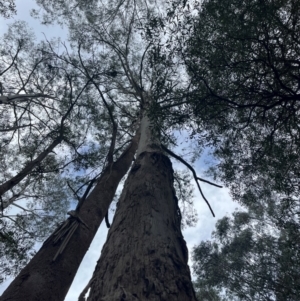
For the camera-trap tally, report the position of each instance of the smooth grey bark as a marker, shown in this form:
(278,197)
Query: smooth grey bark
(46,280)
(145,256)
(4,187)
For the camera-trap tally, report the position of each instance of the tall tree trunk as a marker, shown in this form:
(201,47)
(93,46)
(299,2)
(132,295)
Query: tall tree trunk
(145,256)
(4,187)
(49,274)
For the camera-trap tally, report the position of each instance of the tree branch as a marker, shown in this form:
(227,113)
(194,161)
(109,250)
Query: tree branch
(7,99)
(194,174)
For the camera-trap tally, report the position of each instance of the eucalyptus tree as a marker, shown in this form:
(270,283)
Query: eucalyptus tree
(80,109)
(243,58)
(7,8)
(115,52)
(145,255)
(53,126)
(250,258)
(28,135)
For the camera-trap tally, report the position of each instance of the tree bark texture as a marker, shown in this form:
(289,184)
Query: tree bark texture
(145,256)
(45,279)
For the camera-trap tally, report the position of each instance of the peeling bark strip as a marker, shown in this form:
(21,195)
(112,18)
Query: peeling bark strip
(145,256)
(46,280)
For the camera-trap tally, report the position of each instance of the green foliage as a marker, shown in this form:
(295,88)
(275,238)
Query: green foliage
(243,59)
(30,221)
(70,110)
(204,293)
(250,258)
(252,48)
(185,194)
(7,8)
(84,101)
(15,249)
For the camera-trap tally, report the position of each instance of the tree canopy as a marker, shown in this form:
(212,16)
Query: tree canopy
(226,72)
(53,143)
(249,258)
(243,58)
(60,102)
(7,8)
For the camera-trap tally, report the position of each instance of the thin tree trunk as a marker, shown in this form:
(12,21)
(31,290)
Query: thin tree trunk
(145,256)
(27,169)
(49,275)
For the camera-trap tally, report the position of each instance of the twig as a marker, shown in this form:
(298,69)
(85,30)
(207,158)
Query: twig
(74,192)
(31,211)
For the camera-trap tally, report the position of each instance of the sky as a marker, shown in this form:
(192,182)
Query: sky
(219,199)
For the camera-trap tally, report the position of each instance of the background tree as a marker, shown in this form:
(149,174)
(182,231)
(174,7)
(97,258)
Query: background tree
(7,8)
(249,95)
(250,258)
(243,58)
(44,102)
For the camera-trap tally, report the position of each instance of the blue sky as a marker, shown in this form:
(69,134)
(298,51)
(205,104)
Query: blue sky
(23,13)
(218,198)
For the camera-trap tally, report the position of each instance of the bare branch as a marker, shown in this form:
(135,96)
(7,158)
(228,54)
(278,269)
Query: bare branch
(115,127)
(14,128)
(74,192)
(194,174)
(22,228)
(13,60)
(22,97)
(31,211)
